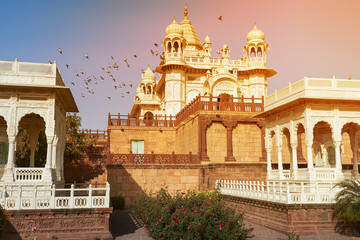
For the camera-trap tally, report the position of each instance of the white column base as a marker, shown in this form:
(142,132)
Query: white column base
(8,176)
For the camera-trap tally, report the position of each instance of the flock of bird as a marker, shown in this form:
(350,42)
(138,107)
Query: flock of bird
(108,73)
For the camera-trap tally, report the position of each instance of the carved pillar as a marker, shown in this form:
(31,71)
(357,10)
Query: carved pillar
(279,149)
(338,158)
(229,127)
(355,153)
(54,153)
(280,165)
(268,161)
(49,141)
(294,164)
(9,169)
(202,141)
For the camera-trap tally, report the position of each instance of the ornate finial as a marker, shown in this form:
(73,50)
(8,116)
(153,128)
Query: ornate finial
(255,26)
(185,11)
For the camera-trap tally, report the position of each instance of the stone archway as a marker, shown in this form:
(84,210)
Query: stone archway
(29,146)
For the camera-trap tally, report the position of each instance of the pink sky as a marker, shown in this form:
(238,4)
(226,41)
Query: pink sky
(306,38)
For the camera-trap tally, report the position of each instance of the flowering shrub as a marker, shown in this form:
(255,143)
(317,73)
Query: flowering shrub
(191,215)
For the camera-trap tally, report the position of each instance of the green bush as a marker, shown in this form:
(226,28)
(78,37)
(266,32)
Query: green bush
(347,207)
(192,215)
(118,202)
(2,223)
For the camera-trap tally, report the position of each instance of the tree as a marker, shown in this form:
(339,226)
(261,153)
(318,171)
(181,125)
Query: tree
(347,205)
(75,139)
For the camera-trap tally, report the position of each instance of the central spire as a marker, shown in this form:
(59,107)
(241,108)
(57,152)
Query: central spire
(185,11)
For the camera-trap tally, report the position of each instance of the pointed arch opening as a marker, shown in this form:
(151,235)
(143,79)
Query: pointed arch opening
(31,146)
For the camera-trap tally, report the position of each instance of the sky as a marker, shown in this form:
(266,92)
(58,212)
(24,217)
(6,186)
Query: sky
(307,39)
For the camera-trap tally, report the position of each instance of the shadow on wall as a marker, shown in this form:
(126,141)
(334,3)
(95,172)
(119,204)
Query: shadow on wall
(90,168)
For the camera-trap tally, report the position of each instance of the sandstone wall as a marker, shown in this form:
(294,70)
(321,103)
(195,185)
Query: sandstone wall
(130,180)
(246,139)
(216,143)
(156,139)
(187,137)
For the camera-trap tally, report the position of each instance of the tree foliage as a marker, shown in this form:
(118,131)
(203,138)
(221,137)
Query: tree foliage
(23,150)
(347,205)
(75,139)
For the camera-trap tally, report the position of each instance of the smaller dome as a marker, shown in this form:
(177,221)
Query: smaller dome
(148,74)
(255,34)
(174,28)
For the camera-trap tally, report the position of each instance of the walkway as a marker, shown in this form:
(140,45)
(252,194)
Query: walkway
(124,227)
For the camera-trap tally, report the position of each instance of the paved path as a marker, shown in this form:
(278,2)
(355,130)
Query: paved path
(124,227)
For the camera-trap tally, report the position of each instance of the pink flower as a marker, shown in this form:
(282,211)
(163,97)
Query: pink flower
(220,227)
(240,214)
(211,200)
(159,234)
(201,234)
(229,223)
(177,221)
(190,228)
(34,229)
(225,212)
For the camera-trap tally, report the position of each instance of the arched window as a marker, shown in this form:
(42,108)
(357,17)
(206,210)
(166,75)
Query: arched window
(144,89)
(176,46)
(3,152)
(259,52)
(331,155)
(149,89)
(252,52)
(225,101)
(149,118)
(169,47)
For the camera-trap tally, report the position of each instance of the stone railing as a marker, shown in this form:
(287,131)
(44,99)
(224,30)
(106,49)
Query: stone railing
(279,191)
(325,173)
(15,197)
(142,159)
(155,121)
(98,134)
(222,103)
(28,174)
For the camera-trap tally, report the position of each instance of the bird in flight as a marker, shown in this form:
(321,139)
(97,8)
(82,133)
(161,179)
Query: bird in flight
(156,53)
(81,71)
(102,78)
(128,65)
(73,83)
(122,95)
(135,56)
(112,57)
(116,67)
(86,55)
(109,98)
(109,66)
(123,84)
(60,51)
(155,44)
(102,68)
(220,18)
(130,84)
(82,95)
(76,74)
(50,62)
(152,52)
(115,87)
(127,92)
(67,65)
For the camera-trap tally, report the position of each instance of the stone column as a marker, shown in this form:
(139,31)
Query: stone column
(48,152)
(294,164)
(202,143)
(338,160)
(9,169)
(268,162)
(355,153)
(280,165)
(230,156)
(54,154)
